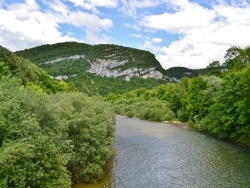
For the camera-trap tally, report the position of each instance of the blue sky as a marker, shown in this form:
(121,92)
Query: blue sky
(188,33)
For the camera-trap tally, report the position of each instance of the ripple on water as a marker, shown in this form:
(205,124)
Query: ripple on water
(161,155)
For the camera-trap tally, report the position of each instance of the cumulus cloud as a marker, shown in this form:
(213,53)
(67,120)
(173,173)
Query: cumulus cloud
(206,33)
(25,25)
(186,18)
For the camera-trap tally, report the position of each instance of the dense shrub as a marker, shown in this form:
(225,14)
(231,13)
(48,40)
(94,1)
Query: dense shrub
(47,139)
(152,109)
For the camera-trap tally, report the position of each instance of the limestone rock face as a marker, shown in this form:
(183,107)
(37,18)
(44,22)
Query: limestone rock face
(112,68)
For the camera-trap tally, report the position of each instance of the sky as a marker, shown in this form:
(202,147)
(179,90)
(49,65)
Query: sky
(185,33)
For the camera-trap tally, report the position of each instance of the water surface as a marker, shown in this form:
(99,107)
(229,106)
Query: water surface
(150,154)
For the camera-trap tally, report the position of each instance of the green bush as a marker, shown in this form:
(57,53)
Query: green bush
(152,109)
(52,140)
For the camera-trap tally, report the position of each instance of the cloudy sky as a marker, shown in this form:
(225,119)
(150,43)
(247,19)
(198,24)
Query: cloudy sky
(189,33)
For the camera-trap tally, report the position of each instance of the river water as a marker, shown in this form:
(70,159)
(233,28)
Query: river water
(162,155)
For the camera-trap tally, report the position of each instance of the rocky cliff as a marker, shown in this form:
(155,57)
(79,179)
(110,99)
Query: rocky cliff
(110,68)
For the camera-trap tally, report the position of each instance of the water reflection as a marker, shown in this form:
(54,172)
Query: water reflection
(152,154)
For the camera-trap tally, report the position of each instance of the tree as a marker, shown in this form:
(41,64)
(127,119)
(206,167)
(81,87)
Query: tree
(214,68)
(33,163)
(229,117)
(237,58)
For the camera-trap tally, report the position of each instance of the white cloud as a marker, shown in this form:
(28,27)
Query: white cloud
(130,7)
(148,45)
(156,40)
(192,55)
(91,23)
(58,6)
(25,25)
(93,4)
(206,33)
(190,17)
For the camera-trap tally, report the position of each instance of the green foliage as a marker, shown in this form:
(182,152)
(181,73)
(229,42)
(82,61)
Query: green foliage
(51,140)
(179,72)
(30,74)
(50,52)
(169,92)
(230,115)
(152,109)
(4,70)
(19,67)
(214,68)
(237,58)
(93,84)
(135,57)
(91,131)
(33,163)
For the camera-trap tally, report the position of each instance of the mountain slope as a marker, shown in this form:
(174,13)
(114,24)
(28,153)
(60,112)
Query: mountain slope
(105,60)
(98,69)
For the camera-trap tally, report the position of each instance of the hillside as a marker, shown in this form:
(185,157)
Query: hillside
(27,72)
(99,69)
(105,60)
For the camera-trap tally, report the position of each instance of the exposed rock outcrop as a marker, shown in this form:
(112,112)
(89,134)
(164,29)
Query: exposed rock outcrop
(111,68)
(74,57)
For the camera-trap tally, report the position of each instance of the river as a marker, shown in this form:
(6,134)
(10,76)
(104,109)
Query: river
(162,155)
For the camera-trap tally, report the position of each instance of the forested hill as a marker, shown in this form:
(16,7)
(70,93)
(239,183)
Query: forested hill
(103,59)
(98,69)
